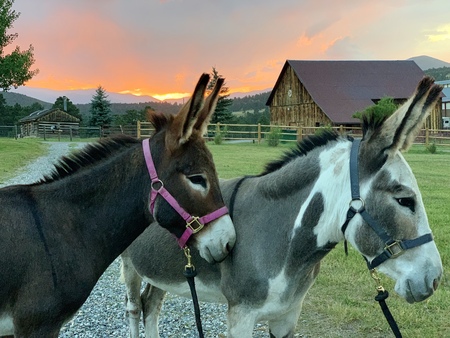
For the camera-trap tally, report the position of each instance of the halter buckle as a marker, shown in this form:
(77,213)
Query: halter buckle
(195,225)
(395,249)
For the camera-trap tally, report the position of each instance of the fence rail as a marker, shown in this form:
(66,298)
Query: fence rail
(259,133)
(256,133)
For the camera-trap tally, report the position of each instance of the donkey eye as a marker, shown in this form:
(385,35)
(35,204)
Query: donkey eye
(407,202)
(198,179)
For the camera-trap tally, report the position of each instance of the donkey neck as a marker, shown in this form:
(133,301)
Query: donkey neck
(103,207)
(320,179)
(317,226)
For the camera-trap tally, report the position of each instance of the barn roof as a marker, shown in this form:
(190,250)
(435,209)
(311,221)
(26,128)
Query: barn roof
(38,114)
(341,88)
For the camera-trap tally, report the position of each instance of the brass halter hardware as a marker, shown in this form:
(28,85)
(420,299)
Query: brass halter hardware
(377,279)
(187,253)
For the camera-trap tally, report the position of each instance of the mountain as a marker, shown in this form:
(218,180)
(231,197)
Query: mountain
(427,62)
(23,100)
(80,96)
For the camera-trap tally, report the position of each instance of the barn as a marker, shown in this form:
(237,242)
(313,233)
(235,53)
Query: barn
(328,93)
(48,121)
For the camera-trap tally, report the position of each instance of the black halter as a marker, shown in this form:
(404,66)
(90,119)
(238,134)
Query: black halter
(393,248)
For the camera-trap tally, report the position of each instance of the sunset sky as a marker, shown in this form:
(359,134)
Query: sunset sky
(160,48)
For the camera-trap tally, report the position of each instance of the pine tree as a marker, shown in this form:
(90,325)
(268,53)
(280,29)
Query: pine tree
(100,109)
(222,114)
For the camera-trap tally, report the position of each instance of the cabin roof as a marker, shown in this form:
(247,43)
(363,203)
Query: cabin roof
(38,114)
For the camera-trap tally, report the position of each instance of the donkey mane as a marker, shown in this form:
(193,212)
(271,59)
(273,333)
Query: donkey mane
(89,155)
(302,148)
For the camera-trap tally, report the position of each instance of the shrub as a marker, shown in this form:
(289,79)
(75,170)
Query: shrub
(220,134)
(323,129)
(431,148)
(274,136)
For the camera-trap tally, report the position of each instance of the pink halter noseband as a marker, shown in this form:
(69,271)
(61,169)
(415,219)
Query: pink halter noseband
(193,223)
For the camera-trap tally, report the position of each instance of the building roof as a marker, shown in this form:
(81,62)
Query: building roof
(36,115)
(341,88)
(445,91)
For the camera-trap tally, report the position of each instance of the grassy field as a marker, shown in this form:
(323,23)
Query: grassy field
(14,154)
(341,303)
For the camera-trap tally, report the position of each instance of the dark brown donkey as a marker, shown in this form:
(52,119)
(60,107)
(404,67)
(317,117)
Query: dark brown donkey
(59,235)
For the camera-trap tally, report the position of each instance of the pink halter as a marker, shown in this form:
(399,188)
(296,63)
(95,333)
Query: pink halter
(193,223)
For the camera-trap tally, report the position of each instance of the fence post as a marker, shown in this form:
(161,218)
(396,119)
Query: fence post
(299,133)
(259,133)
(427,136)
(70,133)
(138,129)
(218,128)
(44,132)
(341,129)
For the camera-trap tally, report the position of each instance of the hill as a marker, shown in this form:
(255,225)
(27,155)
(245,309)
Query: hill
(23,100)
(79,96)
(122,108)
(427,62)
(255,102)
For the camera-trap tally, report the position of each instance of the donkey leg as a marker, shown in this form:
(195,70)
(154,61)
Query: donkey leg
(241,321)
(132,281)
(152,300)
(284,326)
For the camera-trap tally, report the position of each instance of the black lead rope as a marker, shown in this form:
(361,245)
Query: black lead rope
(381,299)
(190,273)
(357,206)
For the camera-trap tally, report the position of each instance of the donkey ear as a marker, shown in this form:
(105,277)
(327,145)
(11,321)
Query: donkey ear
(399,130)
(183,123)
(208,109)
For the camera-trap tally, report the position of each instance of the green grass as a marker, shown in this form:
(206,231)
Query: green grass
(240,159)
(341,303)
(15,154)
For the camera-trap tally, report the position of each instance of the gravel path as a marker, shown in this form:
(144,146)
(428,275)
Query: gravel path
(103,314)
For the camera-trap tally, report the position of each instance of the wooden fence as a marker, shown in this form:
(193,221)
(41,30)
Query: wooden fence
(258,133)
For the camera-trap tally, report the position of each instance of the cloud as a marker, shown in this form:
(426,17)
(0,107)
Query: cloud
(163,46)
(344,48)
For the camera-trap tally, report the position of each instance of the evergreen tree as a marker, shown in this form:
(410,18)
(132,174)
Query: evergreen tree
(222,114)
(100,109)
(14,67)
(131,116)
(384,108)
(71,108)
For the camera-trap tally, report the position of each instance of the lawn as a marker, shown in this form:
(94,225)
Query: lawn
(341,303)
(15,154)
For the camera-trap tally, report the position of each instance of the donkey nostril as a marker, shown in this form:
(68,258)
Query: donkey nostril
(435,284)
(227,248)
